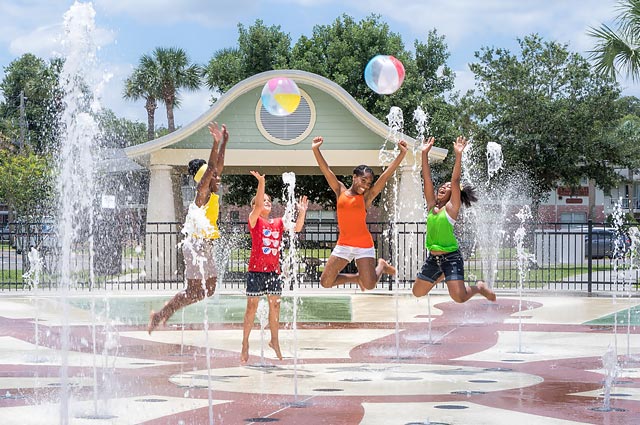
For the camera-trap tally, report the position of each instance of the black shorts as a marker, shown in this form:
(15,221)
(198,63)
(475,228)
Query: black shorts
(260,283)
(451,264)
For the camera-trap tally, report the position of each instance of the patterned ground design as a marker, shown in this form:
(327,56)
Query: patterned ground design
(351,358)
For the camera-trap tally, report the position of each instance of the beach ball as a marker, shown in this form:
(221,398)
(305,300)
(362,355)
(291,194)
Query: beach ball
(280,96)
(384,74)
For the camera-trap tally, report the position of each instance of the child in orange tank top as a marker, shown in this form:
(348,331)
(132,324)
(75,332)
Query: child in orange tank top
(354,240)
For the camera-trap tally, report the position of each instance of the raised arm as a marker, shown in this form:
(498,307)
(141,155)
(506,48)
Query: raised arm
(258,206)
(203,190)
(223,148)
(429,194)
(335,184)
(453,206)
(303,203)
(377,187)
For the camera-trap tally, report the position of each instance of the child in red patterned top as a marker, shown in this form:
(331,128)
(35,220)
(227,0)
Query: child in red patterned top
(263,276)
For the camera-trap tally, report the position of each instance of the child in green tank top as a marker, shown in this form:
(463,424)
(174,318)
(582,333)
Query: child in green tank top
(445,260)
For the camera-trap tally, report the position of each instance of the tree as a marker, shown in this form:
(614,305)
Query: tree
(119,132)
(619,48)
(260,48)
(144,83)
(37,82)
(25,183)
(549,111)
(175,72)
(340,52)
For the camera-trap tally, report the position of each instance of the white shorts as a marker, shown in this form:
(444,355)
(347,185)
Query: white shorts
(350,253)
(199,259)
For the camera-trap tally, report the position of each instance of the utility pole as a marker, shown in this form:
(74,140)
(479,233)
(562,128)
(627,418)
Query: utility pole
(23,122)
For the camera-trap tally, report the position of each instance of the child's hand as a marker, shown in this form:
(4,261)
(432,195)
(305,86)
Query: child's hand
(317,141)
(225,133)
(426,147)
(459,145)
(215,131)
(303,204)
(403,147)
(257,175)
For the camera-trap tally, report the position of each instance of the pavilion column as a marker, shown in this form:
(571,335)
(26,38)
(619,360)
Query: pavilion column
(161,253)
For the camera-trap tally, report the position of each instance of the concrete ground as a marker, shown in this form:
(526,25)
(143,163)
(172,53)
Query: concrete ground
(350,358)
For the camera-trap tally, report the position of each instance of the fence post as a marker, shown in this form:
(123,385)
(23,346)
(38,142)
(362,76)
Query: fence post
(589,255)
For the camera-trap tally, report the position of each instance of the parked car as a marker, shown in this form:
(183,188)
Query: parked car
(606,242)
(34,235)
(4,233)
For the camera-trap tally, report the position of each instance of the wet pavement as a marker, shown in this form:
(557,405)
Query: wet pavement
(350,358)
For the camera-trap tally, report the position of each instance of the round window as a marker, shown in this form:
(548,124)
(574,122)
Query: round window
(290,129)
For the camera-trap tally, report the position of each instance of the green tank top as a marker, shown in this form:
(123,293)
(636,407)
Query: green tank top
(440,236)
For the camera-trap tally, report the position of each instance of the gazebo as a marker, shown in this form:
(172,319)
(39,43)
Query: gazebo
(276,144)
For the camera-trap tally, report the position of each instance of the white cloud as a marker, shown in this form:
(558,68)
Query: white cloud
(161,12)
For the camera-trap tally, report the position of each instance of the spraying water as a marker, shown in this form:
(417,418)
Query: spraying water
(75,184)
(290,275)
(611,369)
(262,313)
(494,159)
(196,223)
(32,278)
(524,259)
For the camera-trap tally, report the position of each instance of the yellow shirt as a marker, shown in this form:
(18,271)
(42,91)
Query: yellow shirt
(212,211)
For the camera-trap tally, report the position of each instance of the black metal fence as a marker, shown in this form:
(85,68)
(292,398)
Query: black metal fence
(558,256)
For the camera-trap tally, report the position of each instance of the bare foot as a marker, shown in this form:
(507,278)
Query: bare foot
(276,347)
(386,267)
(154,321)
(486,291)
(244,355)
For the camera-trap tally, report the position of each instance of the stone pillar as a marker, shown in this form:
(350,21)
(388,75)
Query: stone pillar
(411,213)
(161,253)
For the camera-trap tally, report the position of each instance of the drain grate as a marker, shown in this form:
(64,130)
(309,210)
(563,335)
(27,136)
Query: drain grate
(468,392)
(97,417)
(451,406)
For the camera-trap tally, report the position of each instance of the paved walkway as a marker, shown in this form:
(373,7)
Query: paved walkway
(352,358)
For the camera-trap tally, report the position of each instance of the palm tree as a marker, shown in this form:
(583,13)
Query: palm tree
(619,49)
(144,84)
(175,72)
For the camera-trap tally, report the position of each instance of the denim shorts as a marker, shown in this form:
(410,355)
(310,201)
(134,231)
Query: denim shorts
(451,264)
(260,283)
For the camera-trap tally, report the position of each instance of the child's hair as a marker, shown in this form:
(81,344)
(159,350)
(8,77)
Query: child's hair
(253,200)
(468,195)
(194,166)
(361,170)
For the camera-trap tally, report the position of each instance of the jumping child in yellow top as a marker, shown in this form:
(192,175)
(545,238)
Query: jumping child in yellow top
(445,260)
(208,179)
(354,240)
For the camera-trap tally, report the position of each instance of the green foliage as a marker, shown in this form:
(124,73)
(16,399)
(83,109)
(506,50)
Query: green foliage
(38,80)
(243,188)
(260,48)
(340,52)
(175,72)
(143,83)
(619,47)
(161,76)
(119,132)
(550,112)
(26,183)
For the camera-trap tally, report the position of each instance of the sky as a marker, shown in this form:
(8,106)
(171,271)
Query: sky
(127,29)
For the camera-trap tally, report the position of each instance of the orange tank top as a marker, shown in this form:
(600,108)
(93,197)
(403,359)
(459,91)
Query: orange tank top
(352,222)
